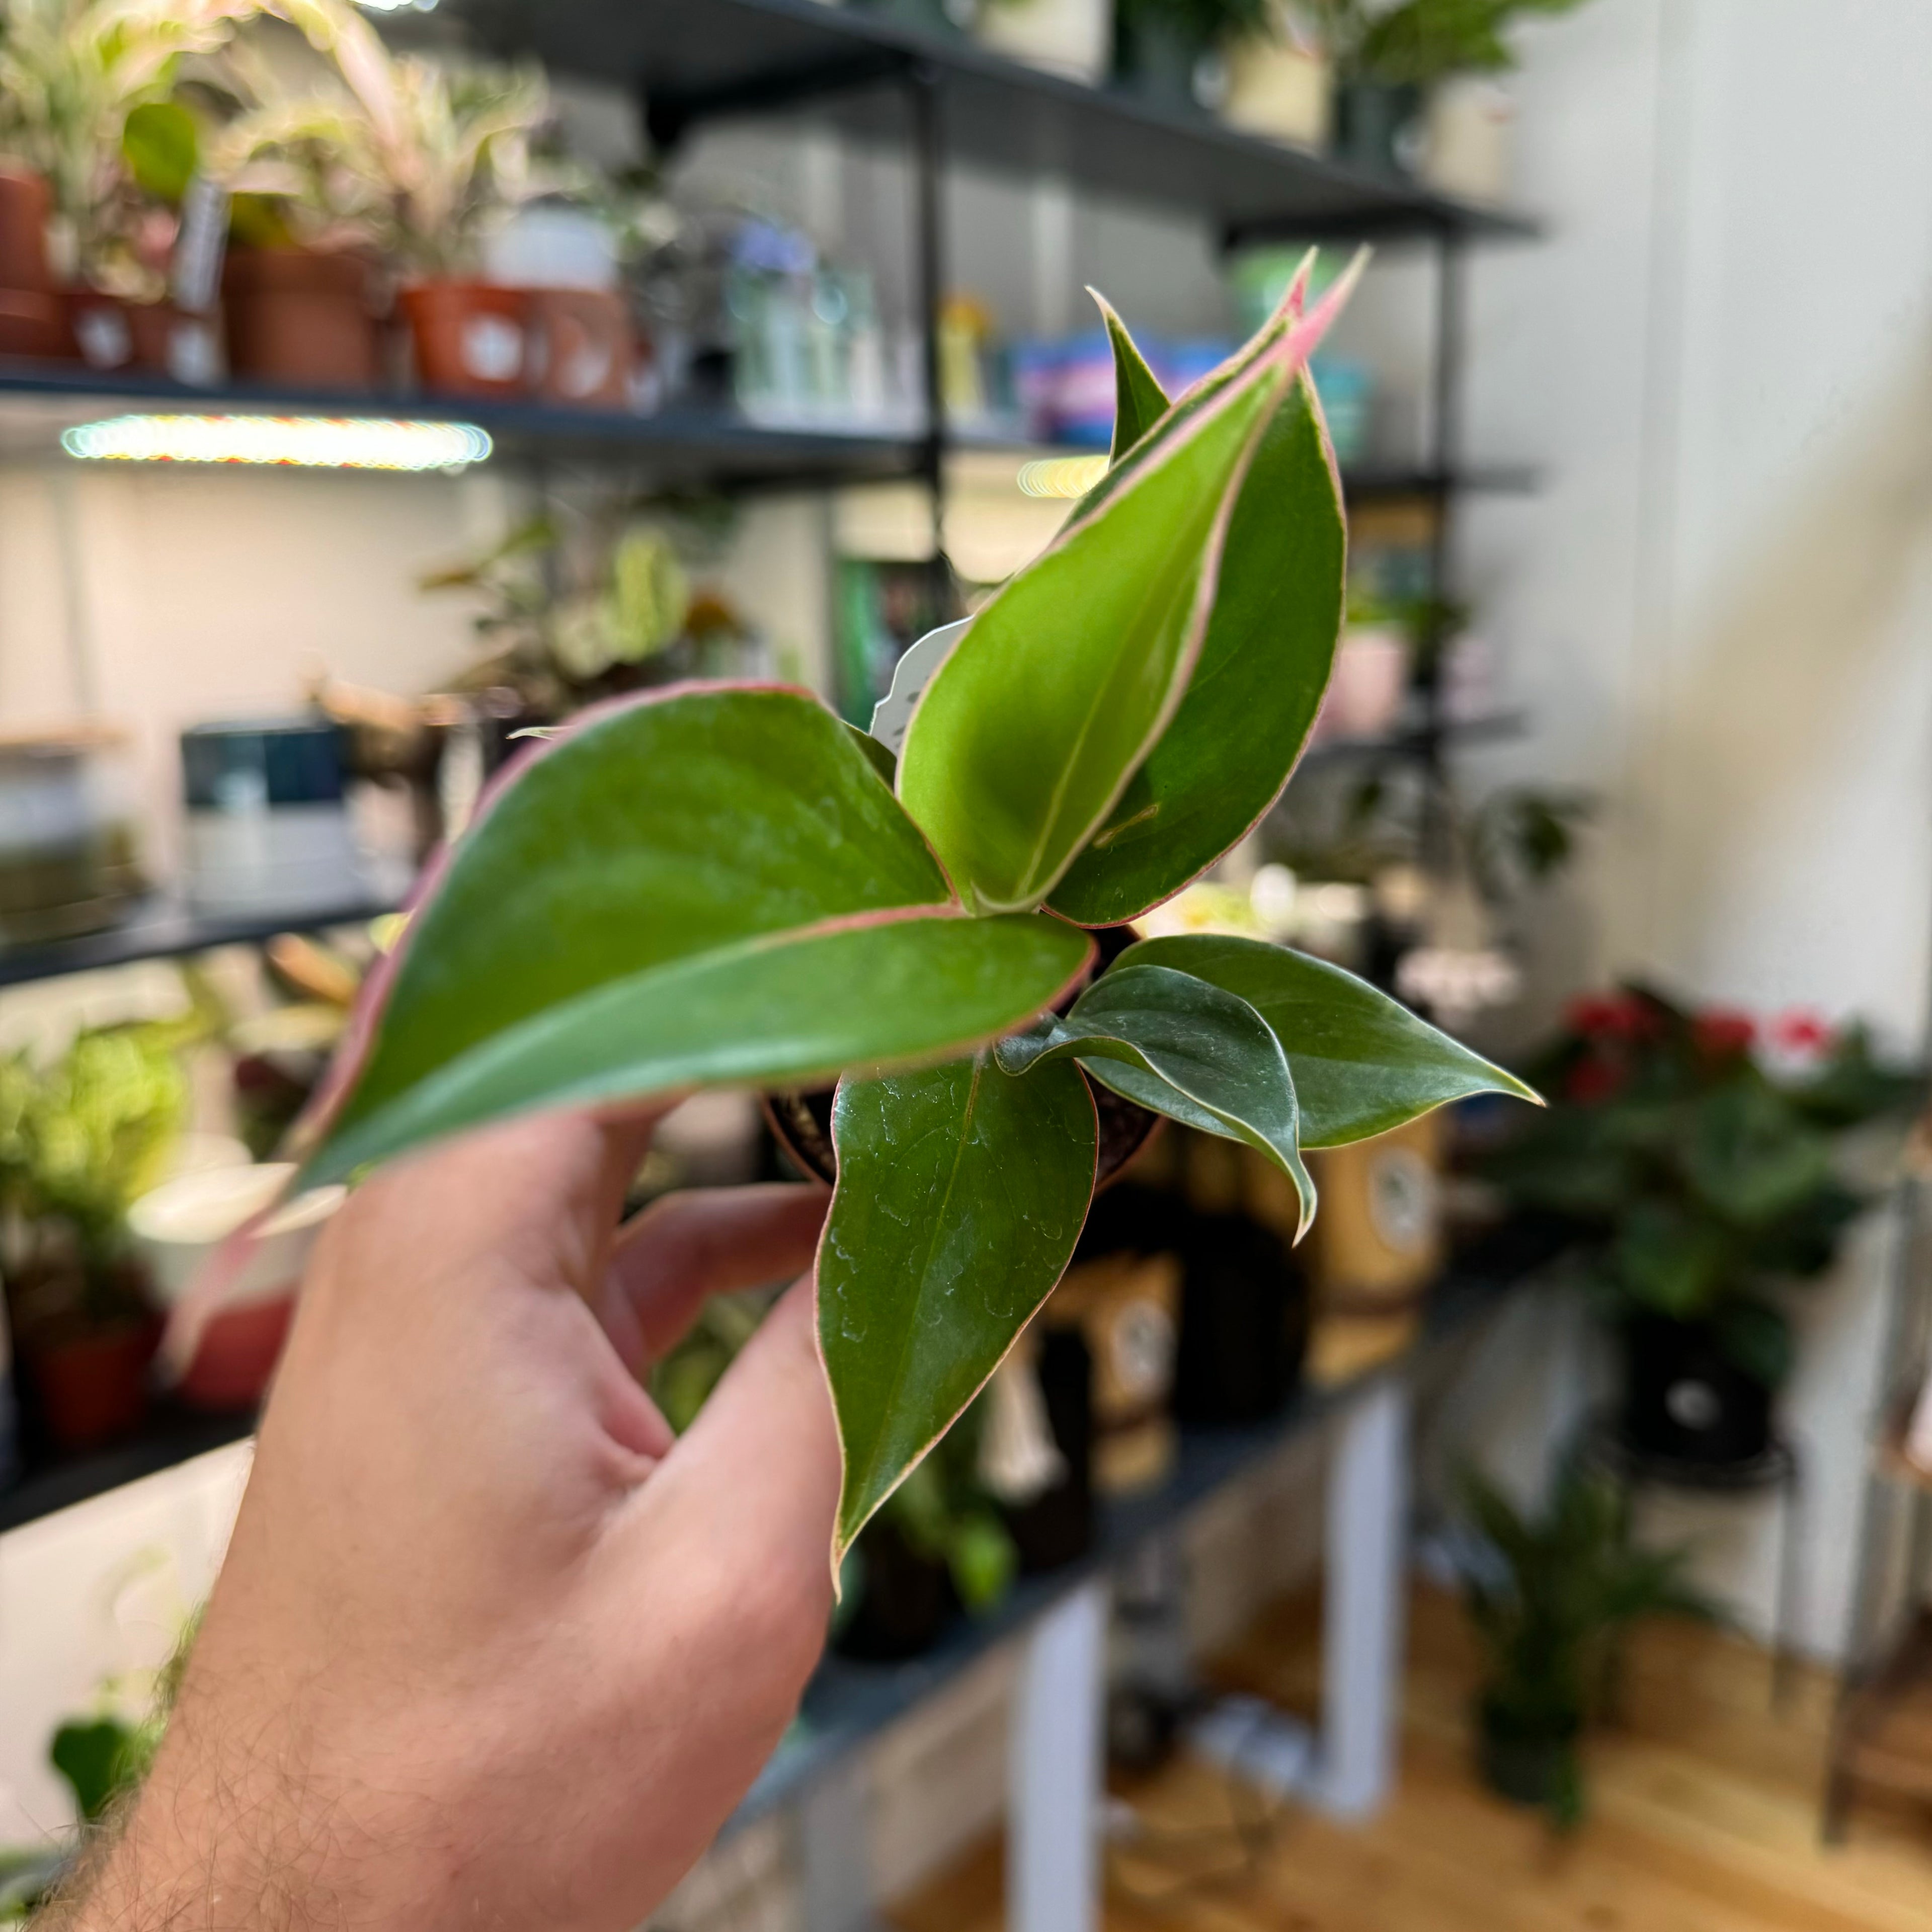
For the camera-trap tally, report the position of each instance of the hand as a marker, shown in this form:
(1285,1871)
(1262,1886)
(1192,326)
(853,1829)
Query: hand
(491,1648)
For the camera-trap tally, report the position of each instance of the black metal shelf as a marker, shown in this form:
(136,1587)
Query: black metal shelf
(172,1436)
(38,400)
(165,929)
(847,1702)
(700,60)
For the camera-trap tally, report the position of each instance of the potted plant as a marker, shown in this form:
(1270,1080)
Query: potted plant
(724,886)
(1073,37)
(1551,1598)
(1696,1159)
(80,1140)
(72,74)
(1387,61)
(1169,53)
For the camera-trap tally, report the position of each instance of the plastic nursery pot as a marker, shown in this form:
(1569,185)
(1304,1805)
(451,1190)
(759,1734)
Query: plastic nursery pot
(1243,1322)
(1376,125)
(300,316)
(1686,1400)
(904,1600)
(469,338)
(1057,1526)
(581,347)
(145,338)
(92,1380)
(33,320)
(1527,1765)
(802,1122)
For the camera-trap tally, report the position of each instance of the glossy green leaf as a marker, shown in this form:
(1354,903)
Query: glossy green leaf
(711,887)
(1183,1048)
(1028,734)
(961,1193)
(1264,665)
(1362,1062)
(1139,401)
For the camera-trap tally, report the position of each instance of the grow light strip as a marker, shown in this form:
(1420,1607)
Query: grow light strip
(307,442)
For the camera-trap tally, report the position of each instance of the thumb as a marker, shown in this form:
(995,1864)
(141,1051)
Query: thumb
(761,1465)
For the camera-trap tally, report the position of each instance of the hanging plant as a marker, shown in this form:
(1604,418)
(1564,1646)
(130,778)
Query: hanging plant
(724,885)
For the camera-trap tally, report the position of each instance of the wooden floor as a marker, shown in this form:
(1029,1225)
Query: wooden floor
(1703,1818)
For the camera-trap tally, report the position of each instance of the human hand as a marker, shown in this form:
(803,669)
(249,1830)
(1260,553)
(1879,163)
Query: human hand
(491,1648)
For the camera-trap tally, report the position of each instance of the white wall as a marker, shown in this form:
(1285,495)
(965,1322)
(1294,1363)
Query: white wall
(1720,610)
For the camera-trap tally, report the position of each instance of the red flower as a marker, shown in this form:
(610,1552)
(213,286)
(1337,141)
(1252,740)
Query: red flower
(1722,1032)
(1621,1016)
(1592,1080)
(1802,1030)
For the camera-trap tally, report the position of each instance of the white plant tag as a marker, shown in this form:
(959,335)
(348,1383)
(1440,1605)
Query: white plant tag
(200,245)
(892,714)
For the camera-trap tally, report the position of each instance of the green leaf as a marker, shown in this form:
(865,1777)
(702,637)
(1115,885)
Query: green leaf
(98,1759)
(160,141)
(961,1193)
(1362,1064)
(1184,1049)
(1671,1261)
(1263,668)
(714,886)
(1026,735)
(1139,401)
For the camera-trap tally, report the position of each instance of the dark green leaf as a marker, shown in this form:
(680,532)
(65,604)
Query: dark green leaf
(1756,1337)
(98,1759)
(713,887)
(1264,664)
(1139,401)
(1361,1063)
(1184,1049)
(1670,1260)
(961,1193)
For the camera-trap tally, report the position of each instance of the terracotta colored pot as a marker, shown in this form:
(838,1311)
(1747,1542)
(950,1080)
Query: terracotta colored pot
(150,338)
(299,315)
(31,324)
(470,338)
(582,348)
(24,205)
(93,1382)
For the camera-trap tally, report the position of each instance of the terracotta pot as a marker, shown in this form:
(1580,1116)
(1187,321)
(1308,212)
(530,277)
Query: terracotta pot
(24,205)
(93,1382)
(147,338)
(35,324)
(299,315)
(470,338)
(581,347)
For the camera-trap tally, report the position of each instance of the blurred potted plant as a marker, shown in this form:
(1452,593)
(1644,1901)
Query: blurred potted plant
(1698,1176)
(1172,53)
(1551,1598)
(73,74)
(80,1139)
(1073,37)
(1390,63)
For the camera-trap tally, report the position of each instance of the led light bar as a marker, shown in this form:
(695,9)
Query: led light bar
(307,442)
(1061,476)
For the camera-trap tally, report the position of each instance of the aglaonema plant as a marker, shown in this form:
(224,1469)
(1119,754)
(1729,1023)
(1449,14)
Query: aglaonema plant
(724,886)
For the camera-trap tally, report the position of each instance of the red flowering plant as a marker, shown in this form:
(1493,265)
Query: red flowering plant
(1695,1154)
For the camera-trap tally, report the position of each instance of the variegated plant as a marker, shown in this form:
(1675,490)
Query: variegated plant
(724,885)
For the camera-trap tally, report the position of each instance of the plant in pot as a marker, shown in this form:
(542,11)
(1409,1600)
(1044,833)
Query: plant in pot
(1698,1178)
(1388,61)
(74,75)
(1172,53)
(1551,1598)
(724,886)
(426,160)
(80,1139)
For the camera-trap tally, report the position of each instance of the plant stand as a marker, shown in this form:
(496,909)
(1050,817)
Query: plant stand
(1778,1470)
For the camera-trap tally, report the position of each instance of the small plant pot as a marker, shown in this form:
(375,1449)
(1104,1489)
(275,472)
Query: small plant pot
(35,325)
(145,338)
(469,338)
(905,1601)
(92,1382)
(1527,1765)
(24,203)
(582,349)
(300,316)
(1243,1323)
(1057,1526)
(1685,1400)
(1160,67)
(1378,127)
